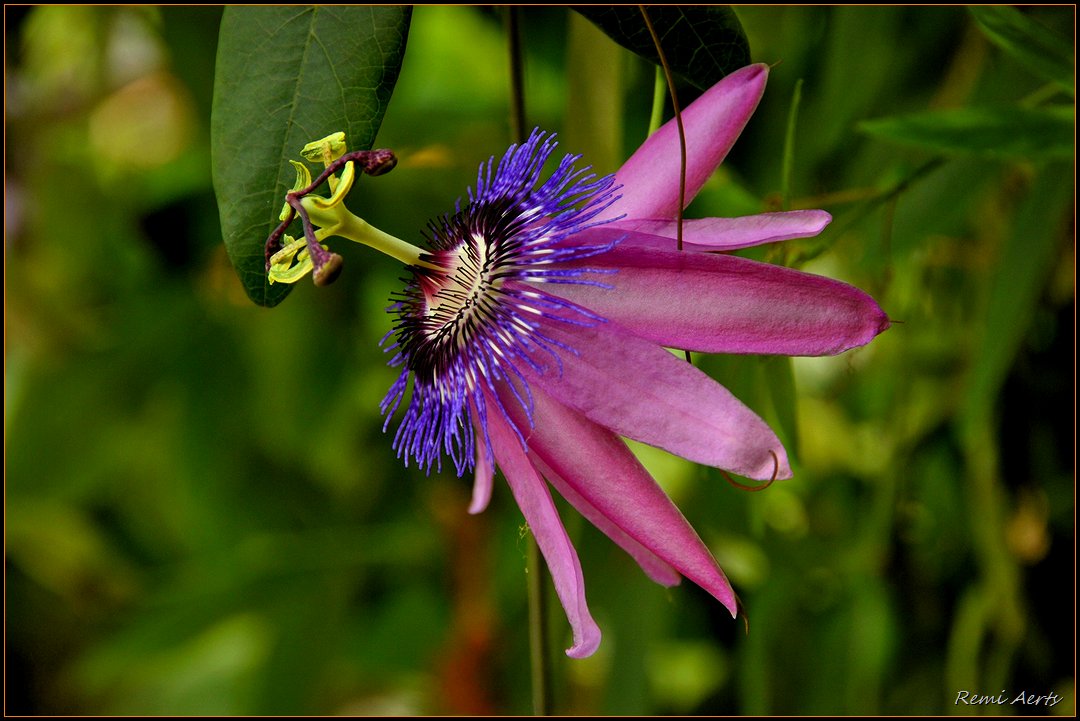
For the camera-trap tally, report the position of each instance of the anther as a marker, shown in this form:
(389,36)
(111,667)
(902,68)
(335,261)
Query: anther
(329,271)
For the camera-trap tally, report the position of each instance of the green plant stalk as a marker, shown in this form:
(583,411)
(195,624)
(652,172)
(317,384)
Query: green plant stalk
(536,571)
(669,81)
(539,659)
(788,165)
(656,119)
(678,120)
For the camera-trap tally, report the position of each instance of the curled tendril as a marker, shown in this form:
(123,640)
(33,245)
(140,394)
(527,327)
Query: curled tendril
(763,486)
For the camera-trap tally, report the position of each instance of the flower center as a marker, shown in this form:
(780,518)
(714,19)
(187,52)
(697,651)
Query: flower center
(456,297)
(474,315)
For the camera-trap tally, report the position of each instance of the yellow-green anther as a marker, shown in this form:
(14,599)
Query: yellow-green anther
(293,274)
(282,269)
(288,251)
(325,150)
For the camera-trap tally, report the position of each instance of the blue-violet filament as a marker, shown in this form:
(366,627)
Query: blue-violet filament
(473,320)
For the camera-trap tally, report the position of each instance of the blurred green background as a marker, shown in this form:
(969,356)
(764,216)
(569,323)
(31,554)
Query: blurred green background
(203,515)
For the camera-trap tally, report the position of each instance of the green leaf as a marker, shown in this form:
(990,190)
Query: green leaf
(991,132)
(702,43)
(1016,286)
(1032,45)
(287,76)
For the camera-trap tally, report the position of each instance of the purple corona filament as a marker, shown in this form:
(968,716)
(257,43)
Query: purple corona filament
(465,326)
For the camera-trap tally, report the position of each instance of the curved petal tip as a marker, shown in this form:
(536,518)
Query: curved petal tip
(586,645)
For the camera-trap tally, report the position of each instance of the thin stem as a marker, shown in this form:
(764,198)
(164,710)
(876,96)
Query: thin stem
(682,135)
(517,75)
(1041,95)
(871,199)
(539,660)
(901,186)
(536,581)
(678,122)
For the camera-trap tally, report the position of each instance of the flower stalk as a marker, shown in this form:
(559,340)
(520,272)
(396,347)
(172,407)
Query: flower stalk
(679,123)
(536,583)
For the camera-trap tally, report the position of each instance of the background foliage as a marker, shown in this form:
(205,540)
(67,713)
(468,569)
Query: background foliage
(204,516)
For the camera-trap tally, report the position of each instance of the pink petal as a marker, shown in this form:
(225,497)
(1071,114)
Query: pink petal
(598,468)
(485,472)
(534,500)
(650,178)
(639,390)
(723,233)
(654,567)
(725,304)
